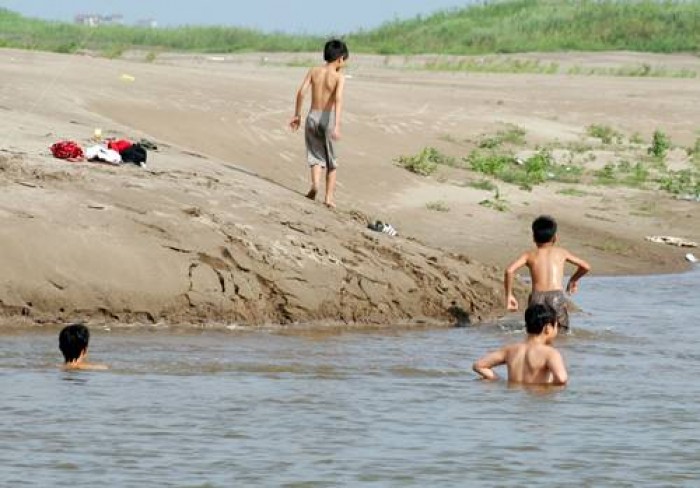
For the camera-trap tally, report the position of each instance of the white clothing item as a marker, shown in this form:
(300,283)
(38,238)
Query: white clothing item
(101,153)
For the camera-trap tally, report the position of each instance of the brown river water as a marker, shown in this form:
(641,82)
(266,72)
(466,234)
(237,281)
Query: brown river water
(221,408)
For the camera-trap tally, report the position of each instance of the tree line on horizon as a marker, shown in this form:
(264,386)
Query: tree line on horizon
(507,26)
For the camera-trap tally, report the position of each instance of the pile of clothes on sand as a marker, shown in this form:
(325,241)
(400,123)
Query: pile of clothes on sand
(111,151)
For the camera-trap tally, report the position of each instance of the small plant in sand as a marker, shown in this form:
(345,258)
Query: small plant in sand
(573,192)
(425,162)
(636,138)
(151,56)
(604,132)
(496,203)
(623,173)
(606,174)
(488,162)
(660,144)
(485,185)
(684,182)
(437,206)
(512,135)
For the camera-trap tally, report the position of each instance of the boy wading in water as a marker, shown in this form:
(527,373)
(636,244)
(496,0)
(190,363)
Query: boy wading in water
(546,264)
(73,342)
(533,361)
(323,121)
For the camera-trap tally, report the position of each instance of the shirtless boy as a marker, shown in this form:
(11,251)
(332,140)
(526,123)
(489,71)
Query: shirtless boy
(546,264)
(533,361)
(73,342)
(323,121)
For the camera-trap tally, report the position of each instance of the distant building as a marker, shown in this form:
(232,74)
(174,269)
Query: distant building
(94,20)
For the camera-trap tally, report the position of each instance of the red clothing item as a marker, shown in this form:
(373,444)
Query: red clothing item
(69,150)
(119,145)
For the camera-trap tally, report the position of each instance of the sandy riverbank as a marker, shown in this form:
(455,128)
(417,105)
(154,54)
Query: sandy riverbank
(217,229)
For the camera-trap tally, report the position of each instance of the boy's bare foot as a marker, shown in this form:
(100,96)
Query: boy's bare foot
(312,194)
(330,204)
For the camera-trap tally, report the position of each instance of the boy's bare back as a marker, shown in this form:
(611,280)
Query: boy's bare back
(530,362)
(324,81)
(533,363)
(546,265)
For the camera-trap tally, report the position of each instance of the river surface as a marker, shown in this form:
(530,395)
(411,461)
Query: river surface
(218,408)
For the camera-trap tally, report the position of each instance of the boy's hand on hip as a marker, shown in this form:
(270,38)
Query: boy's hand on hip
(295,123)
(512,304)
(572,287)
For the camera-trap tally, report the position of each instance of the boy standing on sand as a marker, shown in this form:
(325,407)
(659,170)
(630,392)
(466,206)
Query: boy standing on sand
(323,121)
(73,343)
(546,263)
(534,361)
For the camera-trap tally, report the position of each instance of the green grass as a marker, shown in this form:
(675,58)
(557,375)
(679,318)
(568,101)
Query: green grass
(495,27)
(641,70)
(684,182)
(425,162)
(536,170)
(635,165)
(492,65)
(512,135)
(605,133)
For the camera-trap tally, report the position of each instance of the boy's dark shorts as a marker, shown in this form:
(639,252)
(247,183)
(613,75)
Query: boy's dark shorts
(557,300)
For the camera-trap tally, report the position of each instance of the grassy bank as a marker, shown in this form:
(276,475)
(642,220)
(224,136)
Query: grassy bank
(505,27)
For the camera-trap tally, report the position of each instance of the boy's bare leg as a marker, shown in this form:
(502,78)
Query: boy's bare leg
(330,188)
(315,181)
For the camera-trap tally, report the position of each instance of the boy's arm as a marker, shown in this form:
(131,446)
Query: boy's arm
(511,302)
(556,366)
(583,268)
(296,120)
(339,91)
(484,366)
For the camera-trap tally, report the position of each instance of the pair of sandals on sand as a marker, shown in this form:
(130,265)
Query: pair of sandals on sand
(380,226)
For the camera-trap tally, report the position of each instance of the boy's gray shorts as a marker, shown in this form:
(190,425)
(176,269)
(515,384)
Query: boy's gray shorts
(319,144)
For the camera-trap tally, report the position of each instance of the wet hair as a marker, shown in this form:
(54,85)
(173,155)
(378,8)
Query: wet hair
(73,340)
(334,50)
(537,316)
(544,228)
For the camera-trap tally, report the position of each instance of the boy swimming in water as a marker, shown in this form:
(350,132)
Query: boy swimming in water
(533,361)
(546,264)
(323,121)
(73,342)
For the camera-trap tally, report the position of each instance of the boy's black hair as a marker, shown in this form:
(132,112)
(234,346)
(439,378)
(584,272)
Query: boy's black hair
(73,340)
(335,49)
(544,228)
(537,316)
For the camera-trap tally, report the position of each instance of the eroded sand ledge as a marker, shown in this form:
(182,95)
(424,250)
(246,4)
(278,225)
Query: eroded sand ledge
(91,242)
